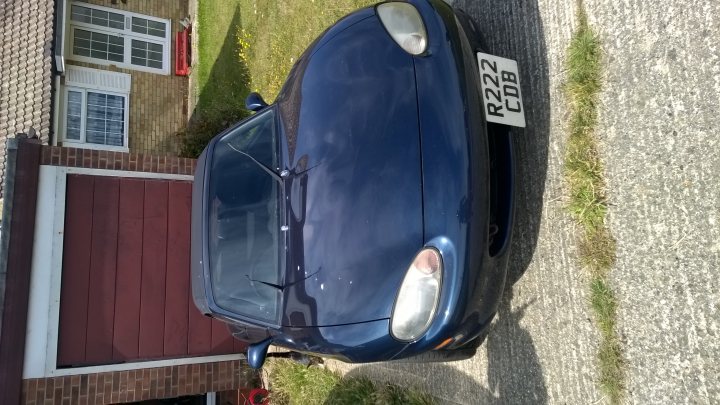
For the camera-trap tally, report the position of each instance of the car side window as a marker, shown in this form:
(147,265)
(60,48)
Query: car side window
(257,138)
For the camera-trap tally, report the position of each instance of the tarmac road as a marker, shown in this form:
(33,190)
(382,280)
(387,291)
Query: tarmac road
(659,125)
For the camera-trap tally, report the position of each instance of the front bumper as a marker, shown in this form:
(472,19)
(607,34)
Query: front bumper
(457,179)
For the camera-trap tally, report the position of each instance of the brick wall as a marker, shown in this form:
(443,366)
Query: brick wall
(101,159)
(158,103)
(137,385)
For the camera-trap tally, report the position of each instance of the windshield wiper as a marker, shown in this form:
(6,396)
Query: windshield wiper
(281,288)
(269,171)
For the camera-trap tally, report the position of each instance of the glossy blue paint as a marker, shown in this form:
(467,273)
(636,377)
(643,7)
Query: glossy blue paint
(255,102)
(384,153)
(257,352)
(356,211)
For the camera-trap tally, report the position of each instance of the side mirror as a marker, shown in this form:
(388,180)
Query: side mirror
(255,102)
(257,352)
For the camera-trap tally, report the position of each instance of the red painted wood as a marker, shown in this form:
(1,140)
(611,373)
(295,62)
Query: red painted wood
(199,330)
(126,275)
(76,270)
(152,293)
(103,262)
(21,201)
(222,342)
(239,346)
(177,288)
(129,270)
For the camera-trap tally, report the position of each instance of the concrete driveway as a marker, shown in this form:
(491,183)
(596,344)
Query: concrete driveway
(660,134)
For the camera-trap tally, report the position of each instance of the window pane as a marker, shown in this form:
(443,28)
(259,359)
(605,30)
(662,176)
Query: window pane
(117,49)
(82,43)
(81,51)
(147,54)
(98,45)
(82,34)
(105,123)
(117,41)
(80,13)
(148,27)
(95,124)
(99,38)
(115,57)
(156,28)
(115,114)
(97,17)
(96,98)
(74,115)
(115,101)
(117,21)
(154,47)
(95,137)
(99,55)
(99,20)
(139,25)
(139,53)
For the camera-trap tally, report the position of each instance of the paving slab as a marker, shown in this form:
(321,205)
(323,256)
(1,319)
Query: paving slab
(660,126)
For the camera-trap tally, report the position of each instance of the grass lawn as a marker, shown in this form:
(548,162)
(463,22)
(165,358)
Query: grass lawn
(222,79)
(292,383)
(274,33)
(250,45)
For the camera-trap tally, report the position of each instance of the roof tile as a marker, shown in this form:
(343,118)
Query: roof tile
(25,69)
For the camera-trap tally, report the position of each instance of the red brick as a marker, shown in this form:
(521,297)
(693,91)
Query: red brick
(92,386)
(131,386)
(147,163)
(46,156)
(40,396)
(57,396)
(63,156)
(72,157)
(87,158)
(102,159)
(95,159)
(30,390)
(55,159)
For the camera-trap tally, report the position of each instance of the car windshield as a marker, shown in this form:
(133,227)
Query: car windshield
(243,221)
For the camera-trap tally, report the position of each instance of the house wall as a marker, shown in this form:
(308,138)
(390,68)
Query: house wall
(126,382)
(100,159)
(136,385)
(158,103)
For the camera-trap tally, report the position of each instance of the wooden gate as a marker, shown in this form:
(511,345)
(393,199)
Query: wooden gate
(125,292)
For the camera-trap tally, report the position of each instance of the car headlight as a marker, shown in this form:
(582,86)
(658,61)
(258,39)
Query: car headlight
(404,24)
(417,300)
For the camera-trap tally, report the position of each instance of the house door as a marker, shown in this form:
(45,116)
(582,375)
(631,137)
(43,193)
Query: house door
(125,293)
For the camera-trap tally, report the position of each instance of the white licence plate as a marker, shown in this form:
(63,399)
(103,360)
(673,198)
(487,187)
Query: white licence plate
(501,96)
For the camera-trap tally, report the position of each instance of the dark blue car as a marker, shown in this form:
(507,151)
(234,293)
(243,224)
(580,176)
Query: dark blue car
(366,215)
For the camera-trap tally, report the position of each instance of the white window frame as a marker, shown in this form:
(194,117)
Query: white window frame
(82,142)
(127,34)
